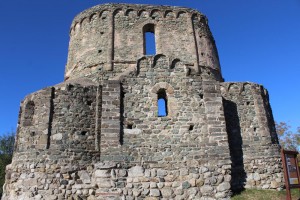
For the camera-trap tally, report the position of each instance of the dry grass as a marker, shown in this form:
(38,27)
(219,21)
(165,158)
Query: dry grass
(252,194)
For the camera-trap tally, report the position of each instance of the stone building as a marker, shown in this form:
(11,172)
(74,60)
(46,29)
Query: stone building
(98,135)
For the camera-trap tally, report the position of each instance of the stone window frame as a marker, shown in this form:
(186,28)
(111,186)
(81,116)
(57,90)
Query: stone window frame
(149,28)
(172,107)
(162,95)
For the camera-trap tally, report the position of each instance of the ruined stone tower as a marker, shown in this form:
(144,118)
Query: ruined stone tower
(98,135)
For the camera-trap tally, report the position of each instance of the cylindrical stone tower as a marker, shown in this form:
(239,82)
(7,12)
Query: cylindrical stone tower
(108,35)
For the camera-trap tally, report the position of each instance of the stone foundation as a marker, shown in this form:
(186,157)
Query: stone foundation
(108,180)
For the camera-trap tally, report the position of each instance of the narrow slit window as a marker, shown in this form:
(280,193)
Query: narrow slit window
(162,103)
(149,40)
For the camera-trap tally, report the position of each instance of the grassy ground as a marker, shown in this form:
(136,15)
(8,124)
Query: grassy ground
(265,195)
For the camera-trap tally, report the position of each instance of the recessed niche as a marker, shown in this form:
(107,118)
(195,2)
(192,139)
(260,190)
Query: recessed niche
(129,126)
(191,127)
(89,102)
(83,132)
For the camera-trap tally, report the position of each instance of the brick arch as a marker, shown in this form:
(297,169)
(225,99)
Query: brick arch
(163,85)
(128,11)
(118,11)
(138,64)
(140,12)
(174,62)
(180,14)
(169,14)
(160,57)
(156,11)
(93,16)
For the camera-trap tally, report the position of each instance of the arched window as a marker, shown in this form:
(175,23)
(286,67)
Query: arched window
(162,103)
(149,39)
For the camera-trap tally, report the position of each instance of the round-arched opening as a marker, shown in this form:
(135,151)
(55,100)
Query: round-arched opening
(149,39)
(162,103)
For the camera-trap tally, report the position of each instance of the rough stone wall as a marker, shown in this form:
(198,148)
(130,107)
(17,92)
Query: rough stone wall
(73,118)
(160,157)
(34,121)
(71,178)
(103,36)
(98,134)
(253,142)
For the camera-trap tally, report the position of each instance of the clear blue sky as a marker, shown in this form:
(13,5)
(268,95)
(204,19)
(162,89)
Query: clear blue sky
(257,40)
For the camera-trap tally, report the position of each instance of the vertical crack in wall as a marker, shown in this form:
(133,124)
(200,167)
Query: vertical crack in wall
(98,118)
(112,42)
(122,95)
(51,112)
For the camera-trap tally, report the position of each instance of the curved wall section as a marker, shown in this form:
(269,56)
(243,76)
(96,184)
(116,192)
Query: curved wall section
(103,36)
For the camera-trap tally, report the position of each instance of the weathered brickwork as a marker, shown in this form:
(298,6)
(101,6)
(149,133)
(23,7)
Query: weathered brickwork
(98,135)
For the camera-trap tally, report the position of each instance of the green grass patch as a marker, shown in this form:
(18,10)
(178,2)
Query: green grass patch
(252,194)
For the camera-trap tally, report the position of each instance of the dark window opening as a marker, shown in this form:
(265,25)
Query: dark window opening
(70,87)
(191,127)
(149,40)
(162,103)
(89,102)
(129,126)
(201,96)
(83,132)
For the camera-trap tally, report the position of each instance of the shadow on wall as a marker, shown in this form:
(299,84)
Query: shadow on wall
(238,174)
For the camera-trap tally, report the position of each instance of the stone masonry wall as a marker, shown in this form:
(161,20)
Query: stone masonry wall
(34,120)
(253,141)
(73,119)
(71,178)
(182,155)
(105,35)
(98,135)
(189,131)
